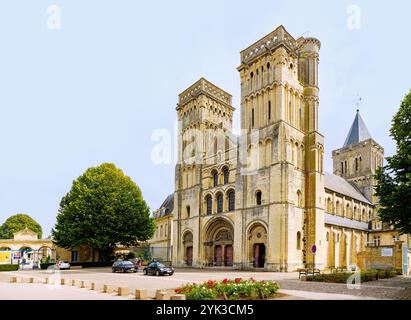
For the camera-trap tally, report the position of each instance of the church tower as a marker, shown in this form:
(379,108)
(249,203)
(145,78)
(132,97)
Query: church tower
(359,158)
(205,116)
(282,179)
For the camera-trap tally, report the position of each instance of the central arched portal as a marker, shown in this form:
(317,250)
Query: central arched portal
(218,244)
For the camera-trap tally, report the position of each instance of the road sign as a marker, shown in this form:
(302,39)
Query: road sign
(314,248)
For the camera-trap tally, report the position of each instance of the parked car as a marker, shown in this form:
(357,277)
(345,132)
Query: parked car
(63,265)
(123,266)
(158,269)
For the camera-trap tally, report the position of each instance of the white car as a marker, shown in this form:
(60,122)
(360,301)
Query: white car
(63,265)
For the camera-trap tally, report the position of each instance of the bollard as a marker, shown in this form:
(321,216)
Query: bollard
(14,279)
(141,294)
(163,295)
(107,288)
(178,297)
(31,280)
(73,283)
(94,286)
(63,281)
(122,291)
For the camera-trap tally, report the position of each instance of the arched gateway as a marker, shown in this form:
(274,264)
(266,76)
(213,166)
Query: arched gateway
(218,243)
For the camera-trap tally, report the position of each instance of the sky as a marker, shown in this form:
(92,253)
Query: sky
(94,85)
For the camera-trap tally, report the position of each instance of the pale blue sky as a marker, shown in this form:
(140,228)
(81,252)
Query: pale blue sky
(95,90)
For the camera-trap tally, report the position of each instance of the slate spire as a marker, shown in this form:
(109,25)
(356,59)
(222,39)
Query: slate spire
(358,131)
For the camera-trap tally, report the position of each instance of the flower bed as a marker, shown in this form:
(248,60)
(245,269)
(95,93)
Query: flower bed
(367,275)
(230,289)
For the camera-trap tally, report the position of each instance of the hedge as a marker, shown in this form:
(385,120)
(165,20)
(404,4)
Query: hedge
(46,265)
(91,264)
(9,267)
(367,275)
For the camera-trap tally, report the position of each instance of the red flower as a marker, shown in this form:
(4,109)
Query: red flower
(178,290)
(210,283)
(237,280)
(225,280)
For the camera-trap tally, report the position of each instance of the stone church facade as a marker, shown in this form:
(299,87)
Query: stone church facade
(262,199)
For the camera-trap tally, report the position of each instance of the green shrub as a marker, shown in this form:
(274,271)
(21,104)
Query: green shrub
(45,266)
(237,289)
(366,275)
(341,277)
(9,267)
(90,264)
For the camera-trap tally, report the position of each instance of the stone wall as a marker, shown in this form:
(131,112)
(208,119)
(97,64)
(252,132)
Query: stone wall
(381,257)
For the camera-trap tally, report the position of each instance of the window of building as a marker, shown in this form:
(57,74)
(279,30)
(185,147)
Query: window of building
(215,178)
(209,203)
(226,174)
(268,65)
(327,236)
(252,118)
(342,167)
(269,110)
(161,231)
(258,197)
(74,256)
(299,199)
(231,201)
(356,164)
(188,211)
(377,241)
(298,240)
(219,203)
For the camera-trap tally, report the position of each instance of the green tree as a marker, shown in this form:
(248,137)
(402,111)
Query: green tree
(103,209)
(394,180)
(19,222)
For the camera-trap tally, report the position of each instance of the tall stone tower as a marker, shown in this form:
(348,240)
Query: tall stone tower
(279,113)
(359,158)
(204,115)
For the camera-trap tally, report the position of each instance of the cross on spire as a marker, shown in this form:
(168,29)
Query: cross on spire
(359,101)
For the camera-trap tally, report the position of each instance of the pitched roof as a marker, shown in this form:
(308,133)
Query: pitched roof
(166,207)
(358,131)
(342,186)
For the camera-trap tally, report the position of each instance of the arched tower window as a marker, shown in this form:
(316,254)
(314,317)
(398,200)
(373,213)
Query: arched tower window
(258,196)
(220,203)
(252,118)
(269,110)
(188,211)
(209,204)
(298,240)
(356,164)
(226,174)
(299,199)
(215,178)
(231,200)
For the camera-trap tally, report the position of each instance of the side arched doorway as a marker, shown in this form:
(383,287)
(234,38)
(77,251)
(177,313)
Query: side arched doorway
(218,244)
(257,245)
(188,248)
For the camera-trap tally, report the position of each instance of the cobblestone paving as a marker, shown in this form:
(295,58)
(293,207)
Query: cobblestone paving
(398,288)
